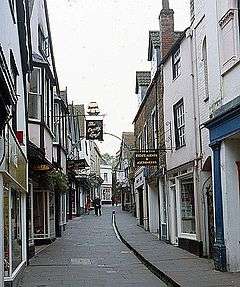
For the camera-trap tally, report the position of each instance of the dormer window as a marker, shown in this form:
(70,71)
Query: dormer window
(43,43)
(176,59)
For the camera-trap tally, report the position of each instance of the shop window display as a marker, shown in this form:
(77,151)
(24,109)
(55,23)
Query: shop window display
(187,206)
(16,229)
(6,235)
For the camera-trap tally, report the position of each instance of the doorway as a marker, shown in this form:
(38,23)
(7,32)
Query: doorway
(141,213)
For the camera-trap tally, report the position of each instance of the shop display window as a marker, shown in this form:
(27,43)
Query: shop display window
(6,235)
(16,225)
(188,224)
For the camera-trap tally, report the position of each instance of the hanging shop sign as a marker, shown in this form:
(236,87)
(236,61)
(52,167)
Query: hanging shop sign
(77,164)
(41,167)
(94,130)
(144,158)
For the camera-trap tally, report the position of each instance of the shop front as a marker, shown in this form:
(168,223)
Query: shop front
(182,209)
(224,129)
(13,185)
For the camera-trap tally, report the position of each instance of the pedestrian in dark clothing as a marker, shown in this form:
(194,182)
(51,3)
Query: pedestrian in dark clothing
(113,200)
(97,206)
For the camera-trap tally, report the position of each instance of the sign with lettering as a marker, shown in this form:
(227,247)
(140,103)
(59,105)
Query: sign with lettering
(41,167)
(94,130)
(143,158)
(77,164)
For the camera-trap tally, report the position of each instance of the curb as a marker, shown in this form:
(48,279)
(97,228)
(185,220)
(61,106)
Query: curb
(157,272)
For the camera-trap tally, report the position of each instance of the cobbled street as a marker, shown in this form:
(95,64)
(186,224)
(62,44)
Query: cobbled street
(88,254)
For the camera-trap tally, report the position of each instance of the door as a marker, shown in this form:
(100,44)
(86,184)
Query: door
(210,210)
(173,208)
(140,196)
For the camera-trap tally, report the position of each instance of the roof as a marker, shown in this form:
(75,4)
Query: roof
(143,78)
(128,138)
(154,37)
(154,43)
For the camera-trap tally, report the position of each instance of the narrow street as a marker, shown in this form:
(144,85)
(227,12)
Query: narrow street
(88,254)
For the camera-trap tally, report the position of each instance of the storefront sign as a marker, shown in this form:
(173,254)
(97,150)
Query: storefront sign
(146,158)
(94,130)
(41,167)
(77,164)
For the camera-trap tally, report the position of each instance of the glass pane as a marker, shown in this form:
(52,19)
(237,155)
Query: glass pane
(187,206)
(16,229)
(35,81)
(6,234)
(34,106)
(38,213)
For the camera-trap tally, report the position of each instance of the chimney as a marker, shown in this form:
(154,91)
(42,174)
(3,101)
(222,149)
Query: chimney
(166,25)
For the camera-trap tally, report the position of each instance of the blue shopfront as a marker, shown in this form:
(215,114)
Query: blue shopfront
(224,129)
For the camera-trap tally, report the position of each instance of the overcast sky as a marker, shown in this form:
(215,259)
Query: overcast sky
(99,45)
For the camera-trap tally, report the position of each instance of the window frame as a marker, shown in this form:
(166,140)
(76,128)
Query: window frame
(180,139)
(154,128)
(37,94)
(176,63)
(43,43)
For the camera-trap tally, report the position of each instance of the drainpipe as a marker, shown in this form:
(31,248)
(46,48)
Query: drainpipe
(158,179)
(1,233)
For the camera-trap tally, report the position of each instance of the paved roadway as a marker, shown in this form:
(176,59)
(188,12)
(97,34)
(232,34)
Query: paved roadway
(88,254)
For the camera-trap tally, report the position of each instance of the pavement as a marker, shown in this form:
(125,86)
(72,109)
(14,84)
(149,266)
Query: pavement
(181,266)
(89,254)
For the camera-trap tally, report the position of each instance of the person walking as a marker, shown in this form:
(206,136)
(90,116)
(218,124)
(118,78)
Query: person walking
(88,205)
(113,200)
(97,206)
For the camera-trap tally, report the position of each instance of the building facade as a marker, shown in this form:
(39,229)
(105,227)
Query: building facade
(106,186)
(15,65)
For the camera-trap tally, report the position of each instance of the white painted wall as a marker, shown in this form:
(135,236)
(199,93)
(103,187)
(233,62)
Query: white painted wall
(174,90)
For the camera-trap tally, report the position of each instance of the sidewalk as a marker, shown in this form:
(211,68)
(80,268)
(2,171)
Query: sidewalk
(183,267)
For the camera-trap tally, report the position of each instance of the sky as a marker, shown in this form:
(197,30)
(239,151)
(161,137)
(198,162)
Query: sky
(98,46)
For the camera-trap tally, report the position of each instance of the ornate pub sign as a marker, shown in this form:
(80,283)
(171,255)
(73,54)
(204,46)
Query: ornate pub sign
(94,130)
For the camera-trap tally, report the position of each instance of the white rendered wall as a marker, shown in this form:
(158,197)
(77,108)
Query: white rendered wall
(175,90)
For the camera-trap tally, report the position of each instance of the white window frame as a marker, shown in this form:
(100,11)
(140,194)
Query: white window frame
(38,94)
(178,203)
(179,124)
(154,127)
(176,63)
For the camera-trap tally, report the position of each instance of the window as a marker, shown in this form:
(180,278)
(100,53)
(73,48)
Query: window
(47,102)
(14,74)
(176,60)
(43,44)
(105,176)
(179,122)
(187,206)
(140,142)
(145,137)
(56,122)
(34,101)
(205,65)
(154,130)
